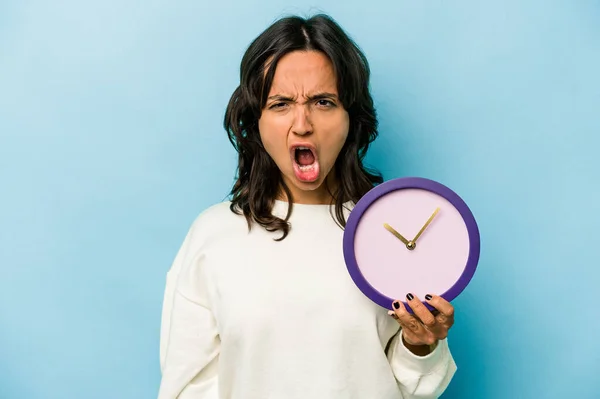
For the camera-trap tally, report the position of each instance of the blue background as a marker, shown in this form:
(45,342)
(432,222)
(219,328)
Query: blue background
(111,143)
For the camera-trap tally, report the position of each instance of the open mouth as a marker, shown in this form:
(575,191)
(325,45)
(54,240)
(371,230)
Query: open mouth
(306,164)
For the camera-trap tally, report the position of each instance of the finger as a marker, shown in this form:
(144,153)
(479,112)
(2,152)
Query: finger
(406,319)
(414,331)
(426,317)
(444,307)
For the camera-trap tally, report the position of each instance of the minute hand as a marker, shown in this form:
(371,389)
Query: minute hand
(426,224)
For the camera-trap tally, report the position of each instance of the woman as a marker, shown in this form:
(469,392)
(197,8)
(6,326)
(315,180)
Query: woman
(258,302)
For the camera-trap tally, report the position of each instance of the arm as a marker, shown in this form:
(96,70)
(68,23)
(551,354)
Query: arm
(189,341)
(419,354)
(421,376)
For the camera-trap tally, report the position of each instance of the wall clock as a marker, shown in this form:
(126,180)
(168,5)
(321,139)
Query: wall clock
(411,235)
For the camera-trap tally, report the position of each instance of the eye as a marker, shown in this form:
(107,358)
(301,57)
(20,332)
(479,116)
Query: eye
(279,105)
(325,103)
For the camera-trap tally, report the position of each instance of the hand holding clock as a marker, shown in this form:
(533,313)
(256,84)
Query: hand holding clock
(423,327)
(439,270)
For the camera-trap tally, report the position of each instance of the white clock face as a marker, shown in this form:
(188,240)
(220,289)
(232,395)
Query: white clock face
(411,241)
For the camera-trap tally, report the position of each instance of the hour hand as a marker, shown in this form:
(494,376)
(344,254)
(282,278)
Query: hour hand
(394,232)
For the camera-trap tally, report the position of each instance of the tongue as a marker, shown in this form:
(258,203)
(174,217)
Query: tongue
(305,157)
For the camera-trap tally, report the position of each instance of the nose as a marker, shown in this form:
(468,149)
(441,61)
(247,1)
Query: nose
(302,125)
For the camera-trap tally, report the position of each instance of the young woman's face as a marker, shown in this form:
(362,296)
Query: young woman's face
(304,126)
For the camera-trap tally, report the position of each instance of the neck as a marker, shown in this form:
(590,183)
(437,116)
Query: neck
(315,197)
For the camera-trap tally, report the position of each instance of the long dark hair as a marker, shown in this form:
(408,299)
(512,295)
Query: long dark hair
(259,181)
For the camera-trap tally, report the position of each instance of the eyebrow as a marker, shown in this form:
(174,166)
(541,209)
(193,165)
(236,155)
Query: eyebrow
(313,97)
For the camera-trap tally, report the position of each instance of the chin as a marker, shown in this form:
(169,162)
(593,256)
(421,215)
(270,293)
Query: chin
(307,186)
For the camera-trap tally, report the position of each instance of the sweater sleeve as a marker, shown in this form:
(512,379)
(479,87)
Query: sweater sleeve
(189,340)
(421,377)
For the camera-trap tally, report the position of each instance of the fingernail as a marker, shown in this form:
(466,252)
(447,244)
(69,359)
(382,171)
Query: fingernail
(410,297)
(428,297)
(396,305)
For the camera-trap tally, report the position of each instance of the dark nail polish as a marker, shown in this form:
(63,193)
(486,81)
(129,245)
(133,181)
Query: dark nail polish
(396,305)
(428,297)
(410,297)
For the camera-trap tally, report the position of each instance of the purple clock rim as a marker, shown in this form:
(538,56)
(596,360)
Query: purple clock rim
(406,183)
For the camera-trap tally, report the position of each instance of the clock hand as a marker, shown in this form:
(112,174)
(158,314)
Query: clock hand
(426,224)
(398,235)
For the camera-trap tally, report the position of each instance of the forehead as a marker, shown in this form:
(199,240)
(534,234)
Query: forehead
(303,72)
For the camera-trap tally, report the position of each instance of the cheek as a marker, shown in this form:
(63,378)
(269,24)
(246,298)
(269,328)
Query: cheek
(273,135)
(337,138)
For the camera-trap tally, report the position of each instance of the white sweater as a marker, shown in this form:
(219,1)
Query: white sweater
(247,317)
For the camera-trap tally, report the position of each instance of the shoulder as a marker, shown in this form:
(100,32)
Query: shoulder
(215,223)
(216,220)
(215,213)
